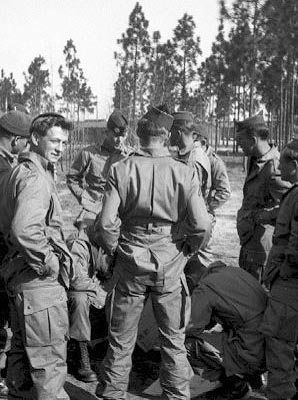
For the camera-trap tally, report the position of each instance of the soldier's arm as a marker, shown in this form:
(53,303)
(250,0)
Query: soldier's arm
(75,177)
(220,189)
(276,189)
(107,225)
(290,265)
(28,227)
(201,308)
(199,222)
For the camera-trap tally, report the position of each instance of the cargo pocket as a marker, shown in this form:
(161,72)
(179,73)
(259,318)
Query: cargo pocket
(46,316)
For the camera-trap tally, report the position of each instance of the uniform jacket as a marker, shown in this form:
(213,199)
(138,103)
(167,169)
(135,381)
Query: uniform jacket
(283,257)
(152,212)
(262,191)
(220,190)
(88,174)
(195,157)
(236,300)
(33,223)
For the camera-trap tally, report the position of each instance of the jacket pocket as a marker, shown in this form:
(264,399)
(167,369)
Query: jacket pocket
(46,316)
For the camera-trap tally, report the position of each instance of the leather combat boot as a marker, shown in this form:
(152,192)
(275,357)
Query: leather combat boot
(85,372)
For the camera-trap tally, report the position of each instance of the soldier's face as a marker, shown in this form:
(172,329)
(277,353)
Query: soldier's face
(20,145)
(52,145)
(116,140)
(246,142)
(288,169)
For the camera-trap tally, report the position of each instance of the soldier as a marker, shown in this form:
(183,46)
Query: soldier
(280,324)
(37,267)
(87,176)
(220,190)
(86,180)
(262,191)
(183,134)
(237,301)
(14,136)
(153,218)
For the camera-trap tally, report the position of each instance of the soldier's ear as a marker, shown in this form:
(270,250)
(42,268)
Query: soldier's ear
(35,138)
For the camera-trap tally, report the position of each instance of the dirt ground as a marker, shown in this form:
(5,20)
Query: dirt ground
(145,365)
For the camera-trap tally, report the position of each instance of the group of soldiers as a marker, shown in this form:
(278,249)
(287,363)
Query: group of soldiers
(144,233)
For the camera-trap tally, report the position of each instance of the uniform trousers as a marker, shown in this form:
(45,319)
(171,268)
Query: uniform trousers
(37,361)
(169,305)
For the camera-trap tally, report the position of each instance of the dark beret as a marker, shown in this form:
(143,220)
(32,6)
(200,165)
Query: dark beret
(256,121)
(117,122)
(16,123)
(161,118)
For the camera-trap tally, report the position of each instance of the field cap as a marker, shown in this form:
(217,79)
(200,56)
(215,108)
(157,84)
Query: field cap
(117,122)
(256,121)
(16,123)
(161,118)
(183,117)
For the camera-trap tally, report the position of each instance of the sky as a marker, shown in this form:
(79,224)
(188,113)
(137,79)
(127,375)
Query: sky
(29,28)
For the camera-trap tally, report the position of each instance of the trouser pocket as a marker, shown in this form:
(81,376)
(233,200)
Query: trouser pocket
(46,316)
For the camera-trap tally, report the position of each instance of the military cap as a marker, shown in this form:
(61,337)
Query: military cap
(161,118)
(18,107)
(16,123)
(256,121)
(117,122)
(183,116)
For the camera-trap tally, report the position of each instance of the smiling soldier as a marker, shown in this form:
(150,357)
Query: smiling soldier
(37,267)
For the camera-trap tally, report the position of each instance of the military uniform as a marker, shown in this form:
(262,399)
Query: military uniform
(15,124)
(36,272)
(280,323)
(148,198)
(220,190)
(87,177)
(262,191)
(233,298)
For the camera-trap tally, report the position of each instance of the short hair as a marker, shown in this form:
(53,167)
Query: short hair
(290,151)
(43,122)
(146,128)
(261,132)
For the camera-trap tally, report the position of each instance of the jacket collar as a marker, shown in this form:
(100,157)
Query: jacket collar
(149,152)
(37,160)
(261,161)
(9,157)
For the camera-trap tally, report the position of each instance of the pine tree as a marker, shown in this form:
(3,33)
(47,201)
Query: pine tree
(36,83)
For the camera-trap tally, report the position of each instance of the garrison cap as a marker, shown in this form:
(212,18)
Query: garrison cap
(117,122)
(256,121)
(161,118)
(16,123)
(183,117)
(18,107)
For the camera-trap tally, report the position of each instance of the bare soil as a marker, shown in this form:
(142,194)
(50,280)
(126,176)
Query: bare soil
(146,365)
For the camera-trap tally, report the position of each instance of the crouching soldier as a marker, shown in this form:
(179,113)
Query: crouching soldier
(280,325)
(232,297)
